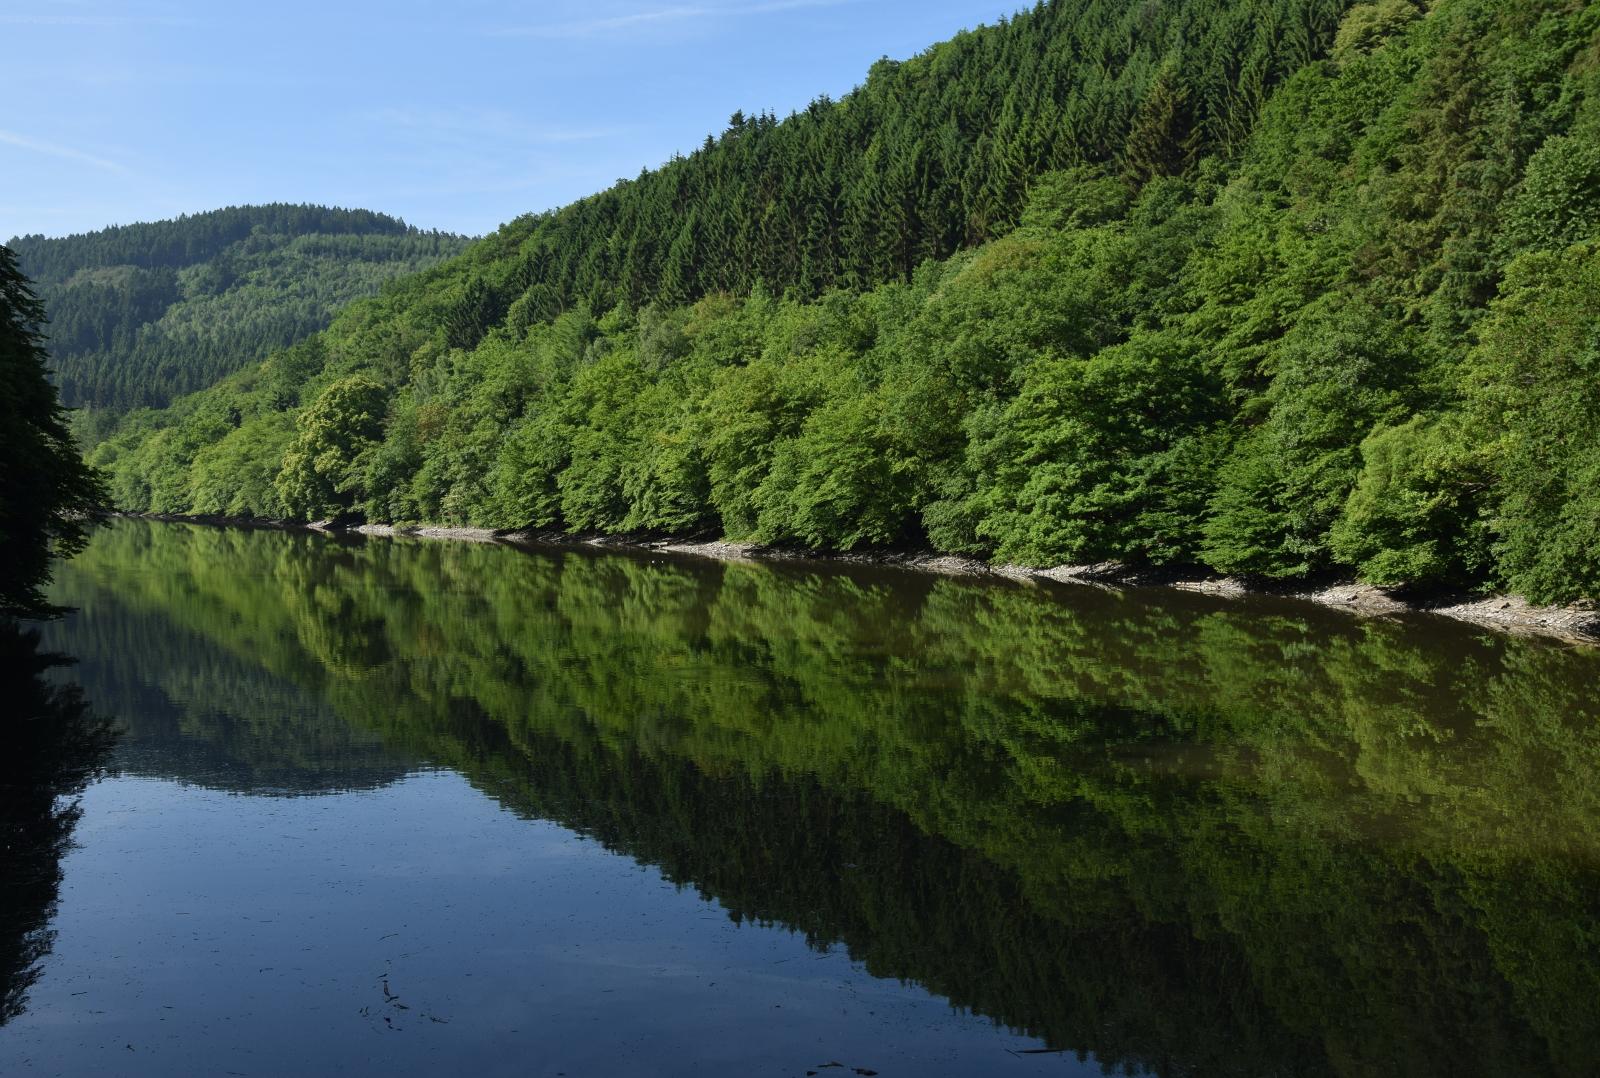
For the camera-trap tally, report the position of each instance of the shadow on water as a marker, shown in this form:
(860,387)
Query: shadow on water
(53,746)
(1178,833)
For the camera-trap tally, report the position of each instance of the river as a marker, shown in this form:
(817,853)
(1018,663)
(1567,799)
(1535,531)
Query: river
(401,807)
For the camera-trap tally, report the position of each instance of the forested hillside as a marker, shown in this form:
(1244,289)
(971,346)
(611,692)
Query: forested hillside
(1270,286)
(142,313)
(927,158)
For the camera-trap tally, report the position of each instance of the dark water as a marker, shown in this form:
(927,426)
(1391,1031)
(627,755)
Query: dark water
(427,808)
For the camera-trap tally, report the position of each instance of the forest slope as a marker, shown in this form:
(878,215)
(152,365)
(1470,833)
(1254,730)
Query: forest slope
(1271,286)
(142,313)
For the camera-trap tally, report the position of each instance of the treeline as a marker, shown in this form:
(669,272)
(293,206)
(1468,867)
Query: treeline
(142,313)
(1353,330)
(191,238)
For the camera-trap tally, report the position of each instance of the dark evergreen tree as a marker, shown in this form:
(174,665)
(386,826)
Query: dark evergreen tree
(1161,141)
(47,493)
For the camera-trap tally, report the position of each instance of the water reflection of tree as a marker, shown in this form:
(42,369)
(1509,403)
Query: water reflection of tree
(195,712)
(51,745)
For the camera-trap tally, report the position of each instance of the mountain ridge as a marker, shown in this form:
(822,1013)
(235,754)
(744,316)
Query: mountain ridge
(144,312)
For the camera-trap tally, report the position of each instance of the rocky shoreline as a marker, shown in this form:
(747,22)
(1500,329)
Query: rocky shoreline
(1578,623)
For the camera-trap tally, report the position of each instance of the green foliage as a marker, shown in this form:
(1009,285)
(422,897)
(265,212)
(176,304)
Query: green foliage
(1558,203)
(234,477)
(842,480)
(1416,513)
(1161,139)
(1285,483)
(46,491)
(1538,378)
(322,466)
(1106,458)
(1367,25)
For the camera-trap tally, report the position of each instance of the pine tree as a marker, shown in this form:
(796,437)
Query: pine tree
(47,493)
(1159,142)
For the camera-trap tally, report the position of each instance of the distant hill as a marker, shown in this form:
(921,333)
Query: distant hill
(143,313)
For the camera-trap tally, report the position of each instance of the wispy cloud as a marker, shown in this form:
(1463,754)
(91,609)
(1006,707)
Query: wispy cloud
(661,16)
(52,149)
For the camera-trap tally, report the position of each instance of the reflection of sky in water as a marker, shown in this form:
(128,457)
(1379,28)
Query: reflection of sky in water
(204,932)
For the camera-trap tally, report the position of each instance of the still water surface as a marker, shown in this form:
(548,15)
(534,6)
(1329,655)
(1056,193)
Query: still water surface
(415,808)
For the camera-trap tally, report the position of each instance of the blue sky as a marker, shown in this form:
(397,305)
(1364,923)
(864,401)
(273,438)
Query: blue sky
(453,115)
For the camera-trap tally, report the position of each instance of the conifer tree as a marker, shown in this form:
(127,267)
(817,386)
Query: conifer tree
(1160,141)
(47,493)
